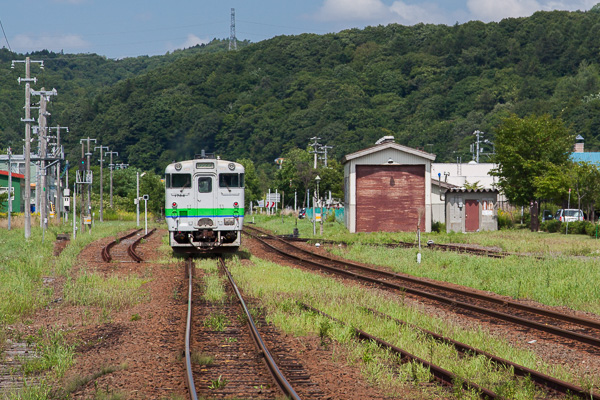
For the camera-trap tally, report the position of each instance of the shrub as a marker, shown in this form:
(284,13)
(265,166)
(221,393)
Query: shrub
(505,220)
(551,226)
(438,227)
(591,229)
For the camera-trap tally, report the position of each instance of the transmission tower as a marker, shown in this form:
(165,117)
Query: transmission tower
(232,38)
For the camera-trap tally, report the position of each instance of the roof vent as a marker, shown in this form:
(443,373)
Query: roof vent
(385,139)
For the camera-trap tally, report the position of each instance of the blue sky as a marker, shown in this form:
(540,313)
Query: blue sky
(129,28)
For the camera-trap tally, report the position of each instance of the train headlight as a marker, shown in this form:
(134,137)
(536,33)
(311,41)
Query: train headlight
(231,166)
(178,167)
(229,221)
(174,205)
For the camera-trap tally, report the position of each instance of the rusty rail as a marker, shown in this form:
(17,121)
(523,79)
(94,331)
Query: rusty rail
(106,249)
(131,248)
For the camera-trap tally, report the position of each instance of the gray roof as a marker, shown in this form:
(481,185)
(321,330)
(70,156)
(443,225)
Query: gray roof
(386,145)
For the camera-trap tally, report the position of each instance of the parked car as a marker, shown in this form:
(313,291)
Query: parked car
(547,215)
(569,215)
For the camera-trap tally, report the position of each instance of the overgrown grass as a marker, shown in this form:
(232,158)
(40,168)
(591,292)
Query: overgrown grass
(278,289)
(92,289)
(214,285)
(51,353)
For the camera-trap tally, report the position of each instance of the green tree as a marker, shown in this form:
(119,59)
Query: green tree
(581,178)
(297,174)
(525,149)
(252,187)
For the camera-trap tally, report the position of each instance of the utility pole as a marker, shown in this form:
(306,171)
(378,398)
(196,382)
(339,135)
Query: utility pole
(111,167)
(315,145)
(324,152)
(59,156)
(87,180)
(43,152)
(28,120)
(9,152)
(101,188)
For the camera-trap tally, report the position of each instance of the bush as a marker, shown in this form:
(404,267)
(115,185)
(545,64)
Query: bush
(438,227)
(505,220)
(551,226)
(591,229)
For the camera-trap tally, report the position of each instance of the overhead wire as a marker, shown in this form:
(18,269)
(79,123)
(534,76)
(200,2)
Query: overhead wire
(8,44)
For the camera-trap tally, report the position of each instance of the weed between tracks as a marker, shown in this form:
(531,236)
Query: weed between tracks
(279,287)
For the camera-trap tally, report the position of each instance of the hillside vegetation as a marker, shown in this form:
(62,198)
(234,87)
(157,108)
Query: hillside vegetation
(430,86)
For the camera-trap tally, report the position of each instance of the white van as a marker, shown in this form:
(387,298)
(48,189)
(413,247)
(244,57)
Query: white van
(569,215)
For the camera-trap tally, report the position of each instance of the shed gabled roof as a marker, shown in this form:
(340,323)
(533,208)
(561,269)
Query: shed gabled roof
(387,145)
(463,190)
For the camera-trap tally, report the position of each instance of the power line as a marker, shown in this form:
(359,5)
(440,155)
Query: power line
(8,44)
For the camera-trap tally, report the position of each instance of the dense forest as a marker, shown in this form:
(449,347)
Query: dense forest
(430,86)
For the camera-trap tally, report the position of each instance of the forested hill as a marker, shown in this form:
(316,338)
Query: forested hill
(430,86)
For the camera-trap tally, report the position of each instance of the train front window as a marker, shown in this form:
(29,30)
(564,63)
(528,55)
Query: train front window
(204,184)
(231,180)
(180,181)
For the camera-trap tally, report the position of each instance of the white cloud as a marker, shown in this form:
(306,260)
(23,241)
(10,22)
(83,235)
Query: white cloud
(68,42)
(352,10)
(377,12)
(411,13)
(494,10)
(191,41)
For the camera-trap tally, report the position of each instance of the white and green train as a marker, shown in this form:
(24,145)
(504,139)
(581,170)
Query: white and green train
(204,205)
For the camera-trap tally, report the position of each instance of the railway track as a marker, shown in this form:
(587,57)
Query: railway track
(124,248)
(244,365)
(583,332)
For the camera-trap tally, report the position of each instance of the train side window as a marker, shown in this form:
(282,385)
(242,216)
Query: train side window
(204,184)
(229,181)
(241,180)
(180,181)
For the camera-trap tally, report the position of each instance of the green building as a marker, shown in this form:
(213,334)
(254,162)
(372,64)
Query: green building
(17,181)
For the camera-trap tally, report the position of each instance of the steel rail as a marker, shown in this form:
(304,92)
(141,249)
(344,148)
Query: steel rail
(131,248)
(539,378)
(189,376)
(282,382)
(106,249)
(440,374)
(453,302)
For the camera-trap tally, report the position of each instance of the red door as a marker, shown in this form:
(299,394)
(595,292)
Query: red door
(471,215)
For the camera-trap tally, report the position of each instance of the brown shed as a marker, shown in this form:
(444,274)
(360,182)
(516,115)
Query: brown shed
(387,188)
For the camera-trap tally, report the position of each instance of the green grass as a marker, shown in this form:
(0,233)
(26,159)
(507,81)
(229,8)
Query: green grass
(113,292)
(51,353)
(216,321)
(278,289)
(213,289)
